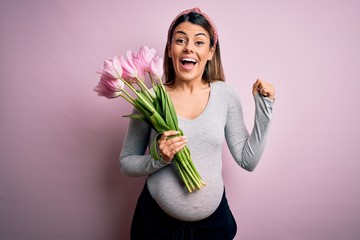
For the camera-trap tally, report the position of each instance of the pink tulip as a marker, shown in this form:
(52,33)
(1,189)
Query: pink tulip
(140,67)
(156,67)
(129,68)
(112,68)
(109,87)
(139,64)
(146,55)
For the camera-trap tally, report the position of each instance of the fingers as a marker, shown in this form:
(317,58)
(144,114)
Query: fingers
(167,134)
(169,145)
(256,85)
(264,88)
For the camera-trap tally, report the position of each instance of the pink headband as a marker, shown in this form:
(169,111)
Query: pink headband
(197,10)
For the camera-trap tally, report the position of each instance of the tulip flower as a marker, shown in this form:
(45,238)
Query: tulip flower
(112,68)
(146,55)
(129,68)
(156,67)
(109,87)
(155,106)
(140,66)
(134,72)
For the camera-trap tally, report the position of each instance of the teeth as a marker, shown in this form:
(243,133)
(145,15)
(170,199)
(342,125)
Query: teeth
(188,60)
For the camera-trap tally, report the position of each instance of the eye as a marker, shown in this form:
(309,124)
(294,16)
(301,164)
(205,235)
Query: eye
(199,43)
(180,41)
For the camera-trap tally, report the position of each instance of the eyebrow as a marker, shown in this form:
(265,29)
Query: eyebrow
(198,34)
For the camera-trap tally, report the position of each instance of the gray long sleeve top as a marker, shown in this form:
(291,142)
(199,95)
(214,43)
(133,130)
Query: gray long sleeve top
(221,120)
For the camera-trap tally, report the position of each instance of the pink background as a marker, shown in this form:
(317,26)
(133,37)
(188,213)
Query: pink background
(59,175)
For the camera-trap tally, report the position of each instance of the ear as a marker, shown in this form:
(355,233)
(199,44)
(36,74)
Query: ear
(211,53)
(169,50)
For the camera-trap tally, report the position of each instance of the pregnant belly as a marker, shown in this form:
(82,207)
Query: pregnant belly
(166,188)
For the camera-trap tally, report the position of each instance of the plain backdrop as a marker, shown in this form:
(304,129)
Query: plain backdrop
(60,142)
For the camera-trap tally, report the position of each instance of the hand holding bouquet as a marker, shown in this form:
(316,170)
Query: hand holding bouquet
(156,107)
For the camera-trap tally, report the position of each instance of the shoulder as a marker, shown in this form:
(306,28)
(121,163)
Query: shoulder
(224,89)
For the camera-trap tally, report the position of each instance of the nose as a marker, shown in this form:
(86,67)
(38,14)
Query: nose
(188,47)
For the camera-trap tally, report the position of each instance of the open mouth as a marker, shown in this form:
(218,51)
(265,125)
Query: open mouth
(188,62)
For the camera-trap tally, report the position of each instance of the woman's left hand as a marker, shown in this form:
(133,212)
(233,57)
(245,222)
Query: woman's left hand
(264,88)
(168,147)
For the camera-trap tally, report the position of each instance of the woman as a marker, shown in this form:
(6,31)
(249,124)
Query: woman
(209,112)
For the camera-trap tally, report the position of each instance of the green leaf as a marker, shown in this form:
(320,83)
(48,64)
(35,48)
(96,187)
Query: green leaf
(153,148)
(136,116)
(168,109)
(158,122)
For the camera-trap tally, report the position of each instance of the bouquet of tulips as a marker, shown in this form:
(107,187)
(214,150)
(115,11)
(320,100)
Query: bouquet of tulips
(155,107)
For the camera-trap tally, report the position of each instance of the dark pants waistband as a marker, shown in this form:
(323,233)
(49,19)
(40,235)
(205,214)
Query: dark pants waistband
(151,222)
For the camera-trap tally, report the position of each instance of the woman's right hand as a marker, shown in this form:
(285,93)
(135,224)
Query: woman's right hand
(169,146)
(264,88)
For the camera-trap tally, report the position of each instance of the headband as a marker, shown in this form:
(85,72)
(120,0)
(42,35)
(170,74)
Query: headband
(197,10)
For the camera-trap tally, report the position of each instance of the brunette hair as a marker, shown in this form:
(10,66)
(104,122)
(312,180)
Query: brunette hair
(213,68)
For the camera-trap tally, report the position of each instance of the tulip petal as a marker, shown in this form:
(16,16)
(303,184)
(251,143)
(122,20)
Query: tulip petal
(145,55)
(140,66)
(107,69)
(109,87)
(156,67)
(103,91)
(117,65)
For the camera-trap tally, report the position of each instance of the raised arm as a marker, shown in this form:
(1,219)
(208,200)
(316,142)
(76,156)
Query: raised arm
(247,149)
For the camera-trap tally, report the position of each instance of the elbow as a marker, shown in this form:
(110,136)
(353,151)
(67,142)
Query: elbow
(127,169)
(248,167)
(125,173)
(249,162)
(122,167)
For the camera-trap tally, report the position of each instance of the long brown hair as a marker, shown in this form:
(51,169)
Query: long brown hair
(213,68)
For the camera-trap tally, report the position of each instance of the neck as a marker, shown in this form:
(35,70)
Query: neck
(189,86)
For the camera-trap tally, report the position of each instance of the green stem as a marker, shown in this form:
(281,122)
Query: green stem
(128,97)
(161,83)
(187,153)
(188,169)
(184,178)
(130,100)
(145,88)
(151,108)
(151,78)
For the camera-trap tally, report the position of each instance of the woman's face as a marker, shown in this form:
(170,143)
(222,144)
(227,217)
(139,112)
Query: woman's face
(190,50)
